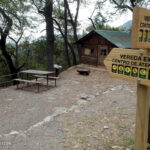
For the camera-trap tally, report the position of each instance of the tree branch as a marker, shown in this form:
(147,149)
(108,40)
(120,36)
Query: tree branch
(133,3)
(92,23)
(9,23)
(59,27)
(1,30)
(122,5)
(77,10)
(38,9)
(69,12)
(19,68)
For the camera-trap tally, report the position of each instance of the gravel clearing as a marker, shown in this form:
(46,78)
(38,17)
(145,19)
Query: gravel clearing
(95,112)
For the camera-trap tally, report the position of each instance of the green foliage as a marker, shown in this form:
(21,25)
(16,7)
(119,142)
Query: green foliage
(148,146)
(17,14)
(123,5)
(33,54)
(104,27)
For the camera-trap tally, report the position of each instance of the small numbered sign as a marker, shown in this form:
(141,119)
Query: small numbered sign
(140,37)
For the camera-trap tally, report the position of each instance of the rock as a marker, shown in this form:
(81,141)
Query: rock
(114,147)
(106,92)
(77,111)
(117,147)
(112,89)
(14,133)
(105,127)
(97,94)
(120,87)
(80,102)
(76,146)
(85,97)
(76,82)
(91,96)
(10,99)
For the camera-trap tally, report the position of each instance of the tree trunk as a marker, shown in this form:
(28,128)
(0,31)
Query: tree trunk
(65,35)
(94,27)
(73,54)
(49,33)
(74,23)
(8,59)
(69,44)
(76,38)
(16,55)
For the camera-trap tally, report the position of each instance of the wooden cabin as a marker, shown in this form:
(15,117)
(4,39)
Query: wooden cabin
(97,44)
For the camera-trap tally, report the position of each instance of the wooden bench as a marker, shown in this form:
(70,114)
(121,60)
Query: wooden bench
(45,77)
(83,71)
(18,81)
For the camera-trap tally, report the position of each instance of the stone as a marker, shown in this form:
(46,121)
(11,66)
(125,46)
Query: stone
(14,133)
(84,97)
(105,127)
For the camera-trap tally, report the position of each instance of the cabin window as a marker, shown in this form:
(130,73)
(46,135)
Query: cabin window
(88,51)
(103,52)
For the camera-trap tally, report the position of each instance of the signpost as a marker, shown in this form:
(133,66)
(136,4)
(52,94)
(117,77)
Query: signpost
(134,65)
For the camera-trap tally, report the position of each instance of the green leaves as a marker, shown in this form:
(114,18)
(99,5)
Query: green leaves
(13,11)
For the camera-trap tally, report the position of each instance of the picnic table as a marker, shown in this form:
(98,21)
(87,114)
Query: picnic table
(37,74)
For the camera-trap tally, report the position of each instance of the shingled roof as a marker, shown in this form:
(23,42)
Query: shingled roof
(119,38)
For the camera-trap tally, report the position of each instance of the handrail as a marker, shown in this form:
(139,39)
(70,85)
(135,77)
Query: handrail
(8,81)
(8,75)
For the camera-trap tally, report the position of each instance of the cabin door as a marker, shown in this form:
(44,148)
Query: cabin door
(102,53)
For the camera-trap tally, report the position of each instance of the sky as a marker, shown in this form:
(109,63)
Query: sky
(84,13)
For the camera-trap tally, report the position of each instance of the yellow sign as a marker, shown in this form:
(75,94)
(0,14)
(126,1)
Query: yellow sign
(140,37)
(128,64)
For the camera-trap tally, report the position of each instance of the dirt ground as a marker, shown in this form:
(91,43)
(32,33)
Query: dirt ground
(95,112)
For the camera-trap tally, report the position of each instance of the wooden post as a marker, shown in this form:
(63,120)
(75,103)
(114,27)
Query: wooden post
(148,141)
(47,80)
(142,117)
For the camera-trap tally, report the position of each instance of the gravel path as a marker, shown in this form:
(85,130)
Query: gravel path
(95,112)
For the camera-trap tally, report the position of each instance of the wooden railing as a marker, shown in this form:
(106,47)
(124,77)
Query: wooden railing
(6,80)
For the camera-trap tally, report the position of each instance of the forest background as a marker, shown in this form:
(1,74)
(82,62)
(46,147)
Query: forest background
(19,50)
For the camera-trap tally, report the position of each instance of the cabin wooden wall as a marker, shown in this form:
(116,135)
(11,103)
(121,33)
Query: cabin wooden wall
(94,41)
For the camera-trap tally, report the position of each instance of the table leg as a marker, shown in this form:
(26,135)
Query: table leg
(27,76)
(27,79)
(38,87)
(47,80)
(17,85)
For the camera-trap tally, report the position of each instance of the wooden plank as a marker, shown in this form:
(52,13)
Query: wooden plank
(129,64)
(140,36)
(142,115)
(53,78)
(37,72)
(27,81)
(49,77)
